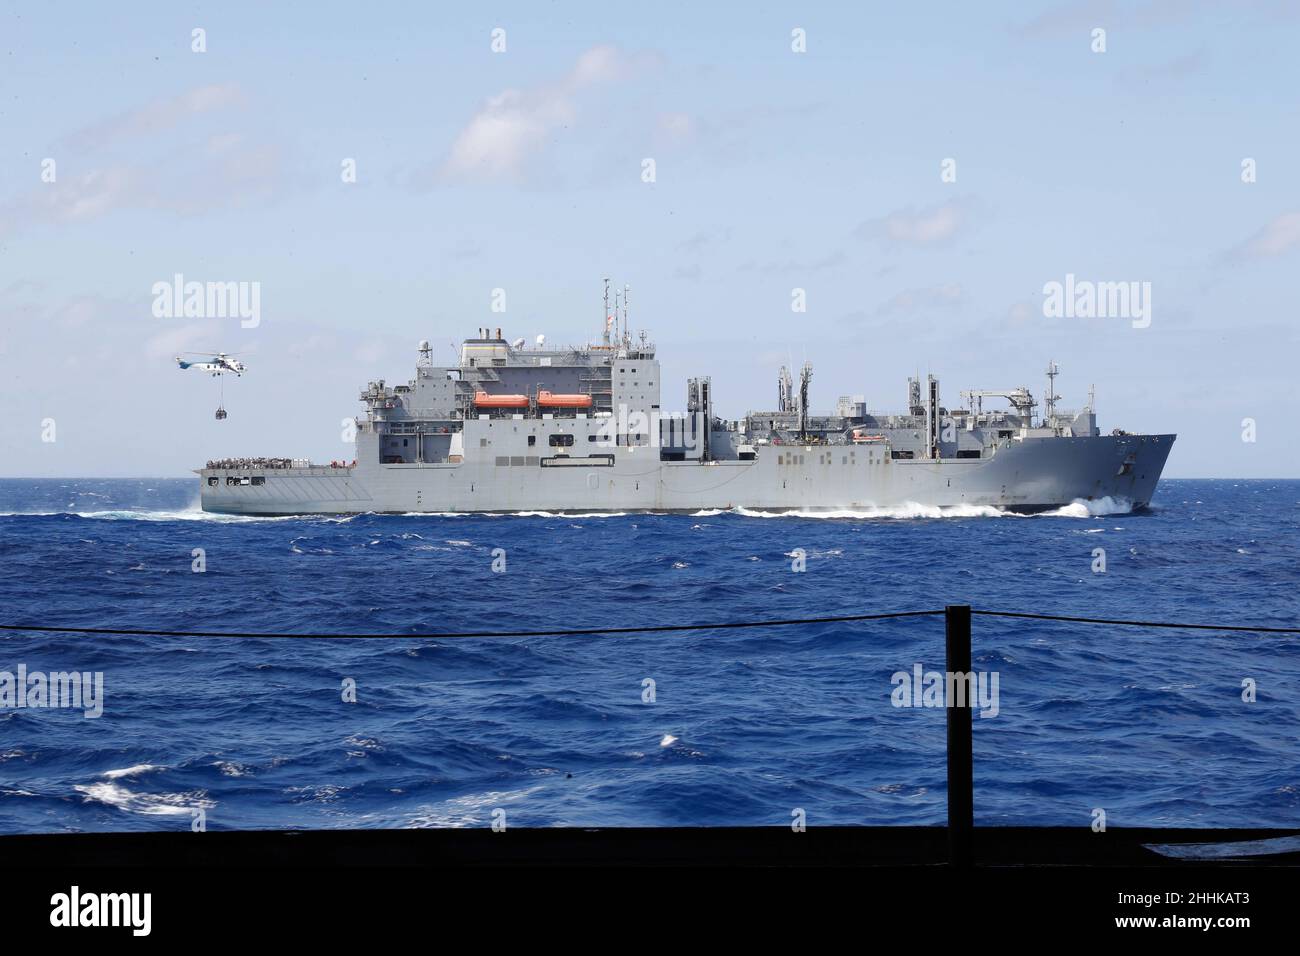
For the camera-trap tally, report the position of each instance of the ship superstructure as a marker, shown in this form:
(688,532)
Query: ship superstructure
(516,426)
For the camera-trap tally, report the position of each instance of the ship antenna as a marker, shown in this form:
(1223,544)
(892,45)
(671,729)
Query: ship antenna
(605,318)
(626,289)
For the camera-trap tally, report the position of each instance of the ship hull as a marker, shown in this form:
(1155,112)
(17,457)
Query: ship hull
(1034,474)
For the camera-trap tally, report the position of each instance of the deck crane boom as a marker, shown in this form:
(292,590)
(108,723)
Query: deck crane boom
(1020,398)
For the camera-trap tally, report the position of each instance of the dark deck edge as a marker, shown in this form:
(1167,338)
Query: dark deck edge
(650,846)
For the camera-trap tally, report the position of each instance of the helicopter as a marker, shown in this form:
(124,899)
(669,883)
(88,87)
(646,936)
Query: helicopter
(218,365)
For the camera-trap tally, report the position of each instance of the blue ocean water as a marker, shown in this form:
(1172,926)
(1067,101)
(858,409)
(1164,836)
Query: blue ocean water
(746,726)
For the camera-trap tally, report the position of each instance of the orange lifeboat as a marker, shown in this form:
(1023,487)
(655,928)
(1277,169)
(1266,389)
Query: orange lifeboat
(861,437)
(547,399)
(484,400)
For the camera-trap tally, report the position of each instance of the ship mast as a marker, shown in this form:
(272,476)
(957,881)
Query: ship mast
(1049,402)
(606,317)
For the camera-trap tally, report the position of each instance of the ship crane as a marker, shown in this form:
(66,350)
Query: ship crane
(1019,398)
(784,391)
(805,380)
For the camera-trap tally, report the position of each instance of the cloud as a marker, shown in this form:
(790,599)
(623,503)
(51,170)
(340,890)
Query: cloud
(696,243)
(231,177)
(202,173)
(1275,238)
(918,227)
(704,239)
(316,343)
(1189,64)
(675,127)
(1071,17)
(236,170)
(514,125)
(71,201)
(465,249)
(1084,15)
(173,340)
(946,295)
(831,260)
(87,196)
(1021,312)
(156,116)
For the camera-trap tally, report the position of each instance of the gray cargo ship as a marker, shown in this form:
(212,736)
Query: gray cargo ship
(516,427)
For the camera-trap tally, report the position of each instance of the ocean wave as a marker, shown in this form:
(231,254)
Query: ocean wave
(1099,508)
(912,510)
(131,771)
(907,510)
(513,514)
(111,793)
(566,514)
(131,515)
(230,768)
(466,811)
